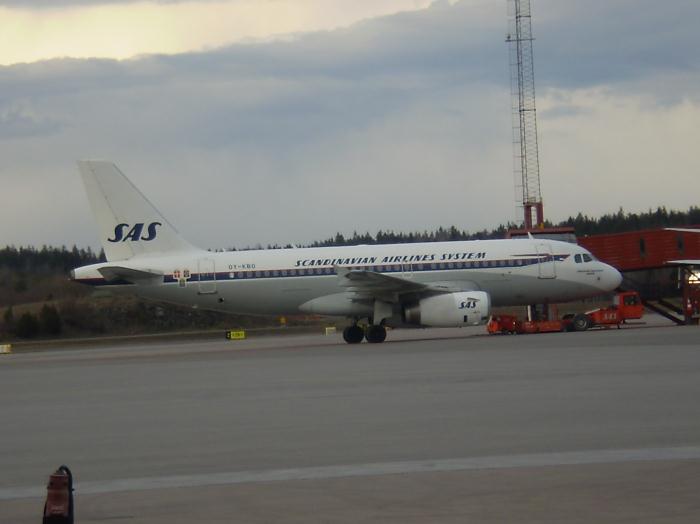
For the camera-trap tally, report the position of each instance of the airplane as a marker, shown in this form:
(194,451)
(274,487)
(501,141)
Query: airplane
(433,284)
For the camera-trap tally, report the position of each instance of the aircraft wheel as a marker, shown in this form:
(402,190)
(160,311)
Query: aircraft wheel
(375,334)
(353,334)
(581,322)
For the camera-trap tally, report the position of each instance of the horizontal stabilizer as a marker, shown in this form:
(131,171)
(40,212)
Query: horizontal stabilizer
(111,273)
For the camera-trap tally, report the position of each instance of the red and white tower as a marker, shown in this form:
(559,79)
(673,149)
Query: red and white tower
(526,157)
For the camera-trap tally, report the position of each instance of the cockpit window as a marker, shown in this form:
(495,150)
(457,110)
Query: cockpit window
(583,257)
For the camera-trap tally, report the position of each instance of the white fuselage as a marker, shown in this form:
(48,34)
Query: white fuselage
(284,281)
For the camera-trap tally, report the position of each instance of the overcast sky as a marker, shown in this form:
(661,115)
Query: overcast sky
(286,121)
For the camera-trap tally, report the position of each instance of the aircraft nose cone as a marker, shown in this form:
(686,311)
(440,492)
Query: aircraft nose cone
(613,278)
(618,278)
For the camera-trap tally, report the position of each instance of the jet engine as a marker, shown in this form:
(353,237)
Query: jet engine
(467,308)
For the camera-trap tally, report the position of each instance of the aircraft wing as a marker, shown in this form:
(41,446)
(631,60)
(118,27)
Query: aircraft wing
(685,262)
(683,229)
(370,284)
(112,273)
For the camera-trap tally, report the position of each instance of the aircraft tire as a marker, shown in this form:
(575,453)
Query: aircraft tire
(581,322)
(353,334)
(375,334)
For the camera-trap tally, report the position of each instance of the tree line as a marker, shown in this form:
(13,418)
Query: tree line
(621,222)
(47,258)
(583,225)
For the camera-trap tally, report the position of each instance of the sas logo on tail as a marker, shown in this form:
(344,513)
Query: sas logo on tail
(136,232)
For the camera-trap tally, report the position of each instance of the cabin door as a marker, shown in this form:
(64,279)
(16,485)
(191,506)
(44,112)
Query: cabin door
(546,265)
(207,276)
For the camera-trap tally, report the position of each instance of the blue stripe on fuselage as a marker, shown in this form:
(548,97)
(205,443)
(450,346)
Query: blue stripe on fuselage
(250,274)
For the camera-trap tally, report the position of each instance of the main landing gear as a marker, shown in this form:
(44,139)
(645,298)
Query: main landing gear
(374,333)
(353,334)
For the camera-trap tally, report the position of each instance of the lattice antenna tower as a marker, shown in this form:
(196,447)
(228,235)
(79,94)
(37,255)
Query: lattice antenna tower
(526,163)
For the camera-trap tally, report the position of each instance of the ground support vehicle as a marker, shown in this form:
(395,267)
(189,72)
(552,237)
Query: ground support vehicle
(627,305)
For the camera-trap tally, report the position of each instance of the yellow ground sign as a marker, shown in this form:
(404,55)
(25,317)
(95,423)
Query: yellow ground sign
(235,335)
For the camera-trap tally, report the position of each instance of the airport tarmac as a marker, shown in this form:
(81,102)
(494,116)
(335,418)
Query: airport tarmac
(431,426)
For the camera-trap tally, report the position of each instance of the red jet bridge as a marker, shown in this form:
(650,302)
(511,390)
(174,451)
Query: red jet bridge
(663,265)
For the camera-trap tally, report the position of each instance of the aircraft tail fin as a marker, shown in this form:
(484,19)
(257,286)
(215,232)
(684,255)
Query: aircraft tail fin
(129,224)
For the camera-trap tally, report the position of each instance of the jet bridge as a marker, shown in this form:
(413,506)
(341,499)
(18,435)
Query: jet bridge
(663,265)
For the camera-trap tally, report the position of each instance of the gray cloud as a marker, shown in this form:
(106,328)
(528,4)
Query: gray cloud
(17,122)
(402,122)
(594,42)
